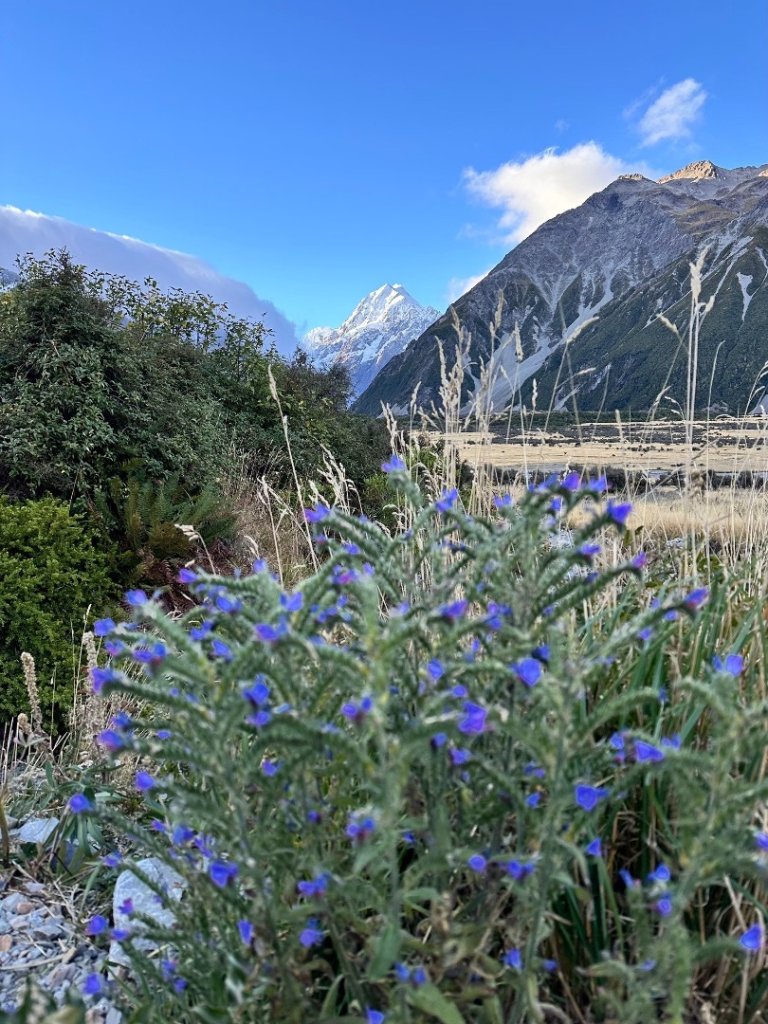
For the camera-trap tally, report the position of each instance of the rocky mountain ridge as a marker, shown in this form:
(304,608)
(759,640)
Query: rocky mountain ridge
(605,271)
(379,328)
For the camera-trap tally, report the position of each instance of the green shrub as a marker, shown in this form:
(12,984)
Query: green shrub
(465,773)
(52,569)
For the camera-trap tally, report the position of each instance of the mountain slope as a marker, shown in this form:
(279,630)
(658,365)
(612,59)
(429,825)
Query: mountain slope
(622,257)
(22,231)
(379,327)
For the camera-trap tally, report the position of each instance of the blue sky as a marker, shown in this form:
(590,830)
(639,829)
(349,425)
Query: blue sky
(318,149)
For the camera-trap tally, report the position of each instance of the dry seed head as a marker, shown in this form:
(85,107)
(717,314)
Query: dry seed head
(30,681)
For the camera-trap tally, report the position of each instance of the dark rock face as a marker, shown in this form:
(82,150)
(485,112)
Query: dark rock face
(605,272)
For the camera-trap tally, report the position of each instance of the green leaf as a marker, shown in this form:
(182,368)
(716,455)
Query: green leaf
(431,1000)
(387,951)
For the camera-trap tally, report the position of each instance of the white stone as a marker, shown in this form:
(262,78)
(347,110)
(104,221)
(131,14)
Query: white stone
(129,887)
(37,830)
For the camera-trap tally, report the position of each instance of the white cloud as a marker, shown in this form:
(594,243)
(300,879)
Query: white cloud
(533,190)
(458,286)
(24,231)
(673,113)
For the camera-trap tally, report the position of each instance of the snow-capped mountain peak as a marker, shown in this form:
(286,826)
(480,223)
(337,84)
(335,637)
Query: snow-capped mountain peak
(378,328)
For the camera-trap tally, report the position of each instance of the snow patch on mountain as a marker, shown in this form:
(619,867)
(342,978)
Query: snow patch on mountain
(380,326)
(24,231)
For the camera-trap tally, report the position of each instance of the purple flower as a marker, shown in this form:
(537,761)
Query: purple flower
(246,931)
(97,924)
(660,874)
(520,869)
(126,907)
(163,734)
(460,756)
(92,985)
(473,722)
(503,501)
(186,575)
(597,486)
(150,656)
(439,740)
(733,664)
(595,848)
(696,599)
(144,782)
(311,934)
(120,934)
(79,803)
(588,797)
(454,611)
(357,713)
(477,862)
(435,669)
(314,888)
(182,834)
(572,481)
(761,840)
(589,551)
(639,561)
(647,752)
(221,873)
(360,827)
(258,693)
(201,632)
(269,767)
(136,598)
(374,1017)
(533,800)
(228,605)
(110,740)
(111,860)
(317,514)
(100,677)
(221,650)
(447,500)
(269,634)
(394,464)
(103,627)
(618,513)
(752,939)
(664,905)
(528,671)
(292,602)
(513,958)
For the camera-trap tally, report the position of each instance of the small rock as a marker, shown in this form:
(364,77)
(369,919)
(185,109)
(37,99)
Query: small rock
(24,907)
(34,888)
(48,930)
(6,942)
(37,830)
(144,899)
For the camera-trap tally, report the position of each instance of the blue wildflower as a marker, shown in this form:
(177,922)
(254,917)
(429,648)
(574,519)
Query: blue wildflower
(595,848)
(79,804)
(663,905)
(317,514)
(752,939)
(473,722)
(761,840)
(258,693)
(394,464)
(357,713)
(136,598)
(588,797)
(572,481)
(186,575)
(477,862)
(97,924)
(110,740)
(111,860)
(528,671)
(100,677)
(311,934)
(460,756)
(733,664)
(221,873)
(269,767)
(696,599)
(660,874)
(269,634)
(375,1017)
(246,932)
(454,611)
(503,501)
(533,800)
(647,752)
(360,827)
(520,869)
(221,650)
(439,740)
(314,888)
(435,669)
(292,602)
(144,782)
(447,500)
(103,627)
(513,958)
(618,512)
(92,986)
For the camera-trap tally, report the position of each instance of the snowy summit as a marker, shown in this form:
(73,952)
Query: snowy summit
(378,328)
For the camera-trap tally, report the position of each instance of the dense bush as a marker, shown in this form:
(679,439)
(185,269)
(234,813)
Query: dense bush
(52,571)
(464,773)
(99,376)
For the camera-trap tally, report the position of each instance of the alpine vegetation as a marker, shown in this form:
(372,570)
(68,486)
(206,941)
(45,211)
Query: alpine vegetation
(472,770)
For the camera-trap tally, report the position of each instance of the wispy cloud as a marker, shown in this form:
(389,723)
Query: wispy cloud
(673,114)
(23,231)
(533,190)
(458,286)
